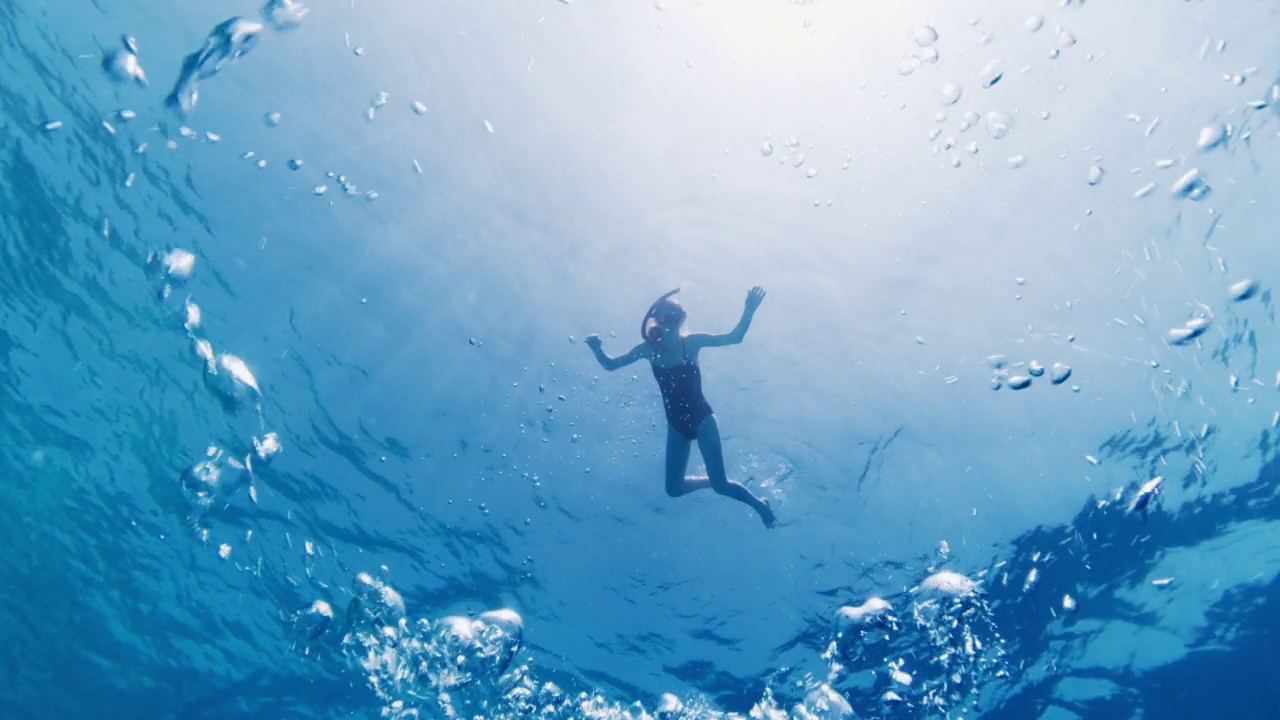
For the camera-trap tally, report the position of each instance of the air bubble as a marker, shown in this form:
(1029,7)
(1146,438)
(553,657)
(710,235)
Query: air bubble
(1189,185)
(1211,137)
(766,148)
(924,35)
(1096,173)
(1243,290)
(991,74)
(999,124)
(1034,23)
(1059,373)
(951,93)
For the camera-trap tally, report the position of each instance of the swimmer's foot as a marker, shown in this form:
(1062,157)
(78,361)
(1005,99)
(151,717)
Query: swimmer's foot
(766,514)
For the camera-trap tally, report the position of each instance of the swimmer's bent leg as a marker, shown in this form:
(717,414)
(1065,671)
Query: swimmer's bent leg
(713,457)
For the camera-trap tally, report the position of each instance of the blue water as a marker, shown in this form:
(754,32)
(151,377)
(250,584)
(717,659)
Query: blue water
(464,515)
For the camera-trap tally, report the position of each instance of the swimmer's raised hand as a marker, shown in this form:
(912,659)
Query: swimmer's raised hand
(755,296)
(592,341)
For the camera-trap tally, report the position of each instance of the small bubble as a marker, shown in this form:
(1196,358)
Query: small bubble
(419,108)
(999,124)
(1211,137)
(812,172)
(1243,290)
(296,164)
(766,148)
(991,73)
(924,35)
(1059,373)
(929,55)
(1096,173)
(1034,23)
(1189,185)
(1017,161)
(272,119)
(951,94)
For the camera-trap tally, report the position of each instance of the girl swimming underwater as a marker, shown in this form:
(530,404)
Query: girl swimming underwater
(674,358)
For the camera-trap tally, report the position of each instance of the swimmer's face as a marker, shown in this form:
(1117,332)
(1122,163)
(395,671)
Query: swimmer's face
(670,317)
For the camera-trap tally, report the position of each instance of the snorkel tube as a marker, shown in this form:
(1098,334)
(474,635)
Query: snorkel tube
(652,315)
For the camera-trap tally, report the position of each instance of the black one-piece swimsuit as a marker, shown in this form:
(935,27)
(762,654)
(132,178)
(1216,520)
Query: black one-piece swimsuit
(681,387)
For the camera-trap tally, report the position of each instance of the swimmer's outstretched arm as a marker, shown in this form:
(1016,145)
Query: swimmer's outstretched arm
(639,352)
(755,296)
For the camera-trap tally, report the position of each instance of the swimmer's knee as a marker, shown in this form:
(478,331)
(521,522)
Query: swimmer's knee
(721,487)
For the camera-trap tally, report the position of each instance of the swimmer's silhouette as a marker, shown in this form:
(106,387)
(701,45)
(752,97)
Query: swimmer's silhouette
(674,358)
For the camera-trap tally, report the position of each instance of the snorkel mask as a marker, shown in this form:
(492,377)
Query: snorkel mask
(650,321)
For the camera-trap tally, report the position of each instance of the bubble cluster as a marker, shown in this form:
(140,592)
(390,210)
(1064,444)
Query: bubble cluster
(1021,375)
(932,662)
